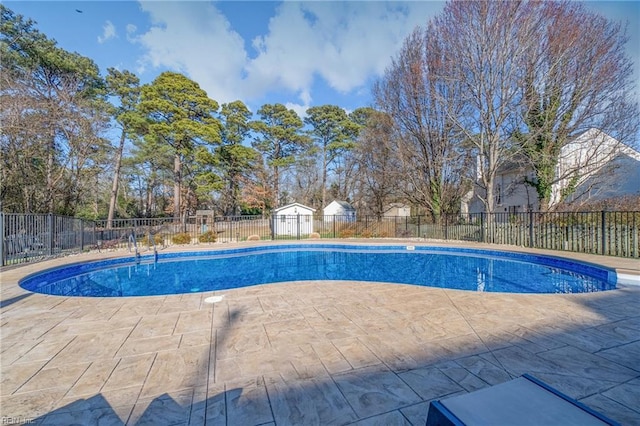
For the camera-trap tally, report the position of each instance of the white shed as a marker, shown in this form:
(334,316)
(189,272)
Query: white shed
(293,220)
(397,210)
(340,210)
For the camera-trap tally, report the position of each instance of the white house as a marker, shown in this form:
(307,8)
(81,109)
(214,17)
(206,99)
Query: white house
(397,210)
(340,211)
(293,219)
(596,165)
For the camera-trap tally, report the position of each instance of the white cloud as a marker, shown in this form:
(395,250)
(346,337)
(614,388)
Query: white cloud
(131,29)
(343,43)
(301,110)
(108,32)
(196,39)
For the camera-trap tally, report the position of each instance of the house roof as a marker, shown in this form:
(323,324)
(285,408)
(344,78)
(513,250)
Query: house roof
(294,205)
(342,204)
(398,205)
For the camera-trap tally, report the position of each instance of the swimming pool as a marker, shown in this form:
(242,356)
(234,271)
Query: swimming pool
(200,271)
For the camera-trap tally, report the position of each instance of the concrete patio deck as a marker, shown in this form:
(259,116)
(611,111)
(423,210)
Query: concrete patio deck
(307,352)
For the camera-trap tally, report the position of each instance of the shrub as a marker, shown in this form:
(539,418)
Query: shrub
(183,238)
(158,239)
(253,237)
(314,236)
(366,233)
(208,237)
(346,230)
(347,233)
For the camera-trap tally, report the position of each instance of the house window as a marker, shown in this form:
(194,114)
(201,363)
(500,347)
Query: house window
(283,218)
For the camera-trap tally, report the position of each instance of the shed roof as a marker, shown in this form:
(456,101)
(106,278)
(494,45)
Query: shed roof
(345,205)
(302,206)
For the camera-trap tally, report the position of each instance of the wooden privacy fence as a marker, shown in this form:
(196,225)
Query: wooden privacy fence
(30,237)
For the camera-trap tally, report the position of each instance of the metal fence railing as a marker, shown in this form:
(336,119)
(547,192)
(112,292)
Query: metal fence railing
(30,237)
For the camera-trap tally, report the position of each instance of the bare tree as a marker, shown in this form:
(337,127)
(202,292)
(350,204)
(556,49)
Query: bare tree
(378,171)
(486,43)
(425,105)
(577,77)
(305,179)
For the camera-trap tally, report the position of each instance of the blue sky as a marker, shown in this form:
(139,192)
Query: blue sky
(300,54)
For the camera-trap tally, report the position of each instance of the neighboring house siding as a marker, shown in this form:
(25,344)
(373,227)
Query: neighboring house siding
(597,165)
(599,186)
(395,210)
(341,210)
(293,219)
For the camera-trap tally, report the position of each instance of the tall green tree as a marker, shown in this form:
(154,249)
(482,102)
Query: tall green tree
(54,117)
(279,139)
(125,87)
(149,172)
(334,135)
(236,161)
(180,116)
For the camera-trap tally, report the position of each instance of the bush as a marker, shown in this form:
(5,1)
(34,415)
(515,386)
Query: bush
(253,237)
(182,238)
(366,233)
(347,233)
(208,237)
(158,239)
(346,230)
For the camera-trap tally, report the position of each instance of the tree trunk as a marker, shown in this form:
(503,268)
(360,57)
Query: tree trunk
(324,178)
(177,186)
(50,161)
(116,180)
(276,187)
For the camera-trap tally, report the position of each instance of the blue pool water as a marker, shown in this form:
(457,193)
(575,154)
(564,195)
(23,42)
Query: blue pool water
(456,268)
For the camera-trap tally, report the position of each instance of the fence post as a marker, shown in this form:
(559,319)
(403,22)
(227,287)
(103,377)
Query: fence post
(51,232)
(531,228)
(482,236)
(334,225)
(418,236)
(603,232)
(446,226)
(273,226)
(81,235)
(298,225)
(2,254)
